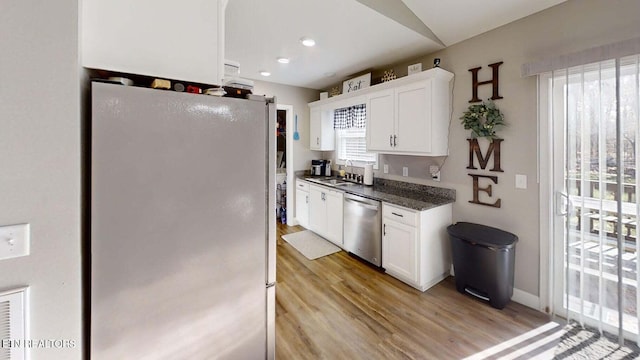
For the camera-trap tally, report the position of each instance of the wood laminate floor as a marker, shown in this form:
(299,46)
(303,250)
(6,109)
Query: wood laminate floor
(338,307)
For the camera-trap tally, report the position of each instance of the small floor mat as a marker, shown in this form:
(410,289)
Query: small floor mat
(310,245)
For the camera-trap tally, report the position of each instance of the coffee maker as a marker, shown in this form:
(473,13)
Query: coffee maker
(321,167)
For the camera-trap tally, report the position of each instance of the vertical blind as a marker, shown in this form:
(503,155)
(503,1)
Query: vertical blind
(600,106)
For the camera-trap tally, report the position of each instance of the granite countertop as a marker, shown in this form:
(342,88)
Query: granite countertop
(413,196)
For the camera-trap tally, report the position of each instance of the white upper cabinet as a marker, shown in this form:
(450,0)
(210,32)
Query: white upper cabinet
(406,116)
(321,133)
(380,120)
(411,119)
(181,40)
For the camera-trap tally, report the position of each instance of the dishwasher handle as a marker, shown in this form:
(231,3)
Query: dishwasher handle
(363,204)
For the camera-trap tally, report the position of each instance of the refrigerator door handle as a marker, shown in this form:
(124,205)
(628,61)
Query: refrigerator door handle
(271,323)
(271,193)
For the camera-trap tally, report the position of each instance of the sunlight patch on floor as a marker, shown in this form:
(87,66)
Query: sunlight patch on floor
(519,346)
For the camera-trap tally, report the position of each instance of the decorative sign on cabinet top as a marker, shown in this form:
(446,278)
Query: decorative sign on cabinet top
(355,84)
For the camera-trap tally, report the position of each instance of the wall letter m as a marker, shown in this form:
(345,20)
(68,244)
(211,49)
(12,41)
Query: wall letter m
(494,148)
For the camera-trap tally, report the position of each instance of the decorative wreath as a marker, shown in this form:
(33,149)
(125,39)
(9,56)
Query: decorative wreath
(483,119)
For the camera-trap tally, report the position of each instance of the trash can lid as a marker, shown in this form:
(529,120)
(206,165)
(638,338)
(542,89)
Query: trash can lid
(482,234)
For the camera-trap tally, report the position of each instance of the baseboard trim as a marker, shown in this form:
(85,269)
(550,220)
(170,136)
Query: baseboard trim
(526,299)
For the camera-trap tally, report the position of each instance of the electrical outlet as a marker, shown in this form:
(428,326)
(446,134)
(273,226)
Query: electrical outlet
(405,171)
(14,241)
(386,168)
(434,170)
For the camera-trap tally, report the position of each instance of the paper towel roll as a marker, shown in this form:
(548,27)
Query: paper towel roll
(368,174)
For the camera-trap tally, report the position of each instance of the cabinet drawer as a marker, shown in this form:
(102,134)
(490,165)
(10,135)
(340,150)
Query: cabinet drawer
(302,185)
(401,215)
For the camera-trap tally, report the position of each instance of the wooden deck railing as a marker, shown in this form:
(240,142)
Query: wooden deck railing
(599,212)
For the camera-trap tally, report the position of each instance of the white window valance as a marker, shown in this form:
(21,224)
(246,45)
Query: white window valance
(599,53)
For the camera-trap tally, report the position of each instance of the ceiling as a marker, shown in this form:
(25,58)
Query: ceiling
(353,35)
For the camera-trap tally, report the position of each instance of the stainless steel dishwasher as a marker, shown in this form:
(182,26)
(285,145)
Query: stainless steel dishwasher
(362,228)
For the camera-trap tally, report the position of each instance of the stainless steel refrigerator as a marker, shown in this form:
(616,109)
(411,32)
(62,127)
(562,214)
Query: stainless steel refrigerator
(182,225)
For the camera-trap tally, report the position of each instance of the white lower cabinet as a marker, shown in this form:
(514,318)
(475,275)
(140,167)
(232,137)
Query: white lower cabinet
(335,216)
(317,210)
(415,244)
(326,213)
(399,249)
(302,203)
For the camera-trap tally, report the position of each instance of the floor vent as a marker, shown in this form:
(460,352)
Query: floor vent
(12,324)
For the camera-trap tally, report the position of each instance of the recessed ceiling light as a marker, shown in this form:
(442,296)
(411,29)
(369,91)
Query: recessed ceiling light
(283,60)
(307,41)
(329,74)
(265,73)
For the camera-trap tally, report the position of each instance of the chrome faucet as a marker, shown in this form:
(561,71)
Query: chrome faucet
(346,164)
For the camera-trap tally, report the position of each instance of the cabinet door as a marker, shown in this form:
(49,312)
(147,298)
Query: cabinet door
(335,212)
(327,133)
(400,250)
(149,38)
(315,128)
(413,114)
(302,208)
(317,210)
(380,121)
(321,129)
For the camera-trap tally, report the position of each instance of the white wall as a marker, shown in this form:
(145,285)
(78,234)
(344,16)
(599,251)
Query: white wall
(569,27)
(298,98)
(40,163)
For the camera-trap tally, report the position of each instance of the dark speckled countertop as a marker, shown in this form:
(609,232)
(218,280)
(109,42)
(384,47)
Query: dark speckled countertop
(409,195)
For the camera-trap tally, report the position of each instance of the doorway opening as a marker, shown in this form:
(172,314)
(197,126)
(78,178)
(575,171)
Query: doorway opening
(285,187)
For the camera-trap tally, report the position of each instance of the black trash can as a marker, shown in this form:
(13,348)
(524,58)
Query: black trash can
(483,261)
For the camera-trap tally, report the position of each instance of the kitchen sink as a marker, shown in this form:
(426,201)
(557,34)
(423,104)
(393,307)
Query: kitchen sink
(331,181)
(334,182)
(346,183)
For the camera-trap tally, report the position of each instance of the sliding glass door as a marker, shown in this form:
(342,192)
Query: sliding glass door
(593,111)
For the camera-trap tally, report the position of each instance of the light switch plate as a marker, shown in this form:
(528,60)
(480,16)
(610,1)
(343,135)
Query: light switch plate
(386,168)
(405,171)
(521,181)
(14,241)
